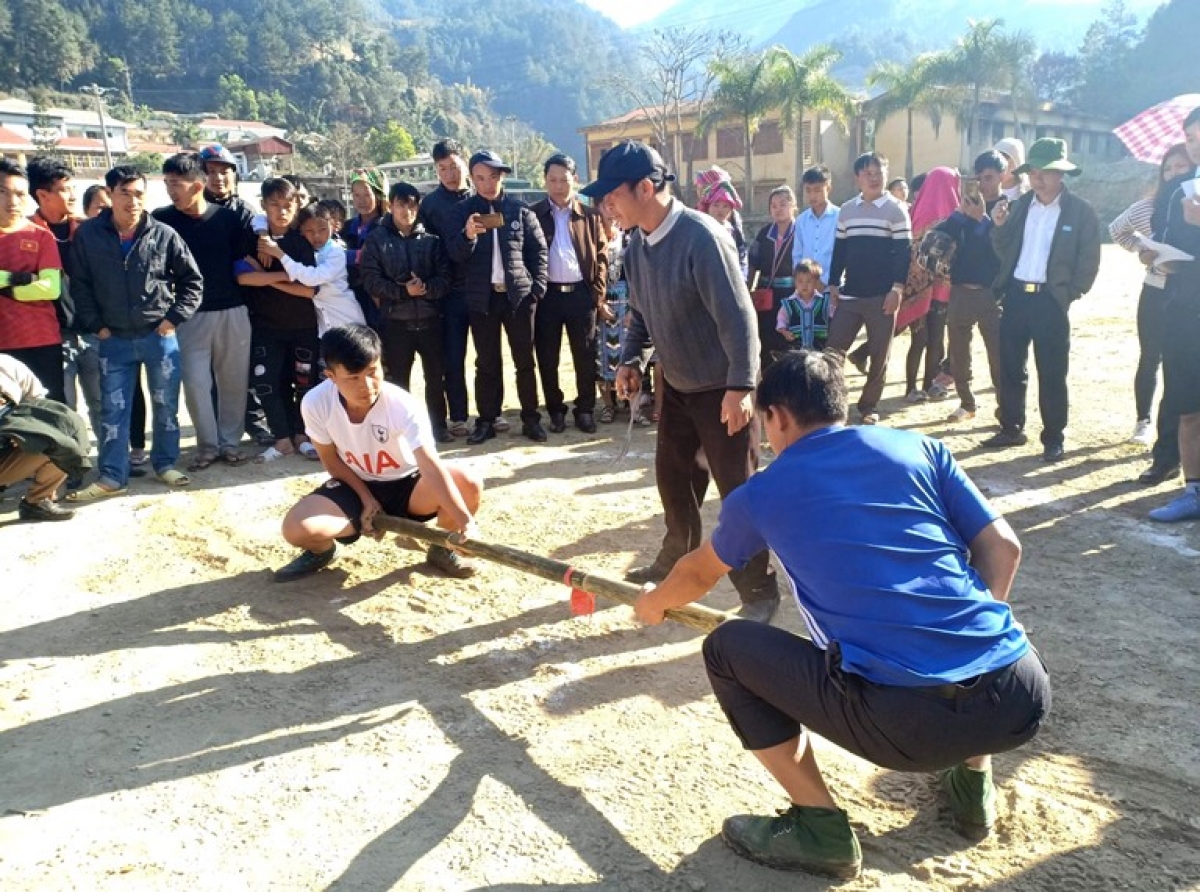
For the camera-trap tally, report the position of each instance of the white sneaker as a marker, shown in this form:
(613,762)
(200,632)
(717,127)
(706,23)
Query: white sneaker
(916,396)
(1143,432)
(870,418)
(959,415)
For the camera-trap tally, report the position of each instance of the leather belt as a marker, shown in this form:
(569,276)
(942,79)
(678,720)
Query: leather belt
(963,689)
(565,287)
(499,289)
(1028,287)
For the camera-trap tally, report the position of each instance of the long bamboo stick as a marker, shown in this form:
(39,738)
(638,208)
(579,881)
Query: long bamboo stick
(694,616)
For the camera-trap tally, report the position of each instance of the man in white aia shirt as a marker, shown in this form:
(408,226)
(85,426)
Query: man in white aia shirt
(377,444)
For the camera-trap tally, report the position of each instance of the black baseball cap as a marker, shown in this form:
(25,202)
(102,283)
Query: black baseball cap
(627,162)
(490,158)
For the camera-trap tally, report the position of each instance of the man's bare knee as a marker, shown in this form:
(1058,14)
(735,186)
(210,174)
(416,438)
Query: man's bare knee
(469,486)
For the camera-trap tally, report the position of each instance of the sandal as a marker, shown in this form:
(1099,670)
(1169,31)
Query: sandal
(309,451)
(137,457)
(202,460)
(94,491)
(606,414)
(233,456)
(270,454)
(172,477)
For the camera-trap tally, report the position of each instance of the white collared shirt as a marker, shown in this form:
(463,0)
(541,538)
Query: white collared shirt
(1040,224)
(562,262)
(668,223)
(497,264)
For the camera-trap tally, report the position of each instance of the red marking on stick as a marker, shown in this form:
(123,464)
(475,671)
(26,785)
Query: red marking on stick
(582,603)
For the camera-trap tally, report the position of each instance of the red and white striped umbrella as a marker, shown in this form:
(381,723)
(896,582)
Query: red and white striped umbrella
(1148,135)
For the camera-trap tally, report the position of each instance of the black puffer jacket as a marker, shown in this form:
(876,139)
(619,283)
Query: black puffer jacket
(131,295)
(389,259)
(522,251)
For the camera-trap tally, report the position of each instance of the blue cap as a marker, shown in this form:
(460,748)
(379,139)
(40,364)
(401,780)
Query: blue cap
(217,152)
(627,162)
(490,158)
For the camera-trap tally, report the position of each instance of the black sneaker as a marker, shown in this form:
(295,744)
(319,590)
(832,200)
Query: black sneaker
(655,572)
(46,509)
(484,430)
(1156,474)
(759,611)
(450,562)
(308,563)
(1053,452)
(534,431)
(1005,439)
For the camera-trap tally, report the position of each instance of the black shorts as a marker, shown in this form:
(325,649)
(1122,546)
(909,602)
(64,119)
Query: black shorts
(771,683)
(393,495)
(1181,357)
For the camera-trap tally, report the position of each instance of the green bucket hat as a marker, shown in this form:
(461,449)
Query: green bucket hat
(375,179)
(1049,154)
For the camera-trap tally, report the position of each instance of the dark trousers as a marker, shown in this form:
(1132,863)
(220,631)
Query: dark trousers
(456,325)
(402,343)
(574,311)
(1181,376)
(517,324)
(691,423)
(771,684)
(283,368)
(970,307)
(851,316)
(1040,320)
(929,341)
(770,341)
(1151,320)
(46,363)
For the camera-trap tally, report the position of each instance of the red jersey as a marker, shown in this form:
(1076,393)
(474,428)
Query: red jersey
(23,324)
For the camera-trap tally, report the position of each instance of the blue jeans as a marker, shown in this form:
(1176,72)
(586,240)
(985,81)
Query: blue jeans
(119,361)
(81,366)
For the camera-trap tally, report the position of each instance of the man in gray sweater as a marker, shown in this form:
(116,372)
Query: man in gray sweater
(687,295)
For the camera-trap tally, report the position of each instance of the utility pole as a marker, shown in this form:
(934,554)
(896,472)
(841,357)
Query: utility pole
(98,92)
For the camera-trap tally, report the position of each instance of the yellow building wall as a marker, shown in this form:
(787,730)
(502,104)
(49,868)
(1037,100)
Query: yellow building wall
(770,169)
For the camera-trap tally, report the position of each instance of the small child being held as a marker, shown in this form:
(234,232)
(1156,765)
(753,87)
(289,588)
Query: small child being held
(803,318)
(334,301)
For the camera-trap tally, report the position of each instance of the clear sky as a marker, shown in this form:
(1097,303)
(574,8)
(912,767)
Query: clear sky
(628,13)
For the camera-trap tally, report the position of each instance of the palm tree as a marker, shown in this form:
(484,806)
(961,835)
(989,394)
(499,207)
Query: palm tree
(910,88)
(976,61)
(1017,52)
(747,88)
(805,83)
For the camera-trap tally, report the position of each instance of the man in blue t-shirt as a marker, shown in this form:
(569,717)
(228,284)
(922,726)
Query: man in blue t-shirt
(915,662)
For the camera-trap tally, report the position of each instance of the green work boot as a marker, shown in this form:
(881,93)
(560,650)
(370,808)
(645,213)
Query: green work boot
(306,564)
(815,840)
(972,800)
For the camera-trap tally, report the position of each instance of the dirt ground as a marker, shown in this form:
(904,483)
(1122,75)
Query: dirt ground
(171,719)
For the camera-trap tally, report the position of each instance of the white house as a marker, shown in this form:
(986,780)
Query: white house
(74,132)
